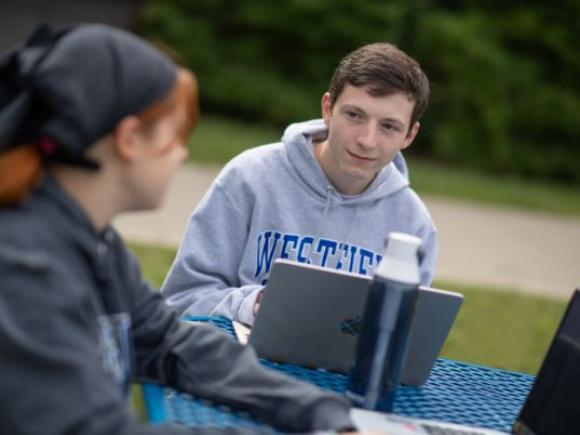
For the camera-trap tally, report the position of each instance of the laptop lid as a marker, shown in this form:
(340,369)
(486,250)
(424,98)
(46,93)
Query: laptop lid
(553,404)
(311,316)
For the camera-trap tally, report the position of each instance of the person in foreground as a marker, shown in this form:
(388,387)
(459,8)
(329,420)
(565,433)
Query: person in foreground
(92,124)
(328,194)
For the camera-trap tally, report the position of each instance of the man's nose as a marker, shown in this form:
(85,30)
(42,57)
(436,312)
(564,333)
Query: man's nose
(368,136)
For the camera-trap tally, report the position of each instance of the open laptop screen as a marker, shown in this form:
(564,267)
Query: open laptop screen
(557,380)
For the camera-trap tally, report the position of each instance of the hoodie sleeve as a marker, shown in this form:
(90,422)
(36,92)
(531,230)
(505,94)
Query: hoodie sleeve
(52,378)
(203,279)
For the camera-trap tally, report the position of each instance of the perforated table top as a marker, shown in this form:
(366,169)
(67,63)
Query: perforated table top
(455,392)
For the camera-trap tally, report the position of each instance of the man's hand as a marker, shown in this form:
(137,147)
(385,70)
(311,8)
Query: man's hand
(258,302)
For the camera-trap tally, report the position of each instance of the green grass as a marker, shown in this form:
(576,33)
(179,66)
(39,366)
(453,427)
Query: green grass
(155,261)
(498,328)
(502,328)
(217,140)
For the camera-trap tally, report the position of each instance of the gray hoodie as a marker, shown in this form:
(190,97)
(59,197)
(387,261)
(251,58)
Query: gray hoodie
(274,201)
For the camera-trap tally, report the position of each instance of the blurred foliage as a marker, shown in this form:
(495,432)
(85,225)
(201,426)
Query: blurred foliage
(505,88)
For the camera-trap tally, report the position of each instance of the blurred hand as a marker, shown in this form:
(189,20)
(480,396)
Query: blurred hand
(258,302)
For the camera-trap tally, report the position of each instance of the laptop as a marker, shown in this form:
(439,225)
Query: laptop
(311,316)
(546,410)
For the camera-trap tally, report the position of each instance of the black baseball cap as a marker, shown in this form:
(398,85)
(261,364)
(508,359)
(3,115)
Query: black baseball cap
(73,84)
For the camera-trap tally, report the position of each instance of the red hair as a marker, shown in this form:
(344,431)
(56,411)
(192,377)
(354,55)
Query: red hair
(183,97)
(22,166)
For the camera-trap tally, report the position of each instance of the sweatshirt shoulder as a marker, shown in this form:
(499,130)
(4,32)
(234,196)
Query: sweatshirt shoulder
(413,198)
(412,208)
(23,227)
(31,252)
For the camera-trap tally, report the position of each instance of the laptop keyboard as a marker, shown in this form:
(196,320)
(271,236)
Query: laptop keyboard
(439,430)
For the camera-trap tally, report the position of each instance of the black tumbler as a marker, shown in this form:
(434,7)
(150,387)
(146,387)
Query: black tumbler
(387,318)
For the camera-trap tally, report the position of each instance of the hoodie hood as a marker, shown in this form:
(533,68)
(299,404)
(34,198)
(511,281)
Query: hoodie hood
(298,142)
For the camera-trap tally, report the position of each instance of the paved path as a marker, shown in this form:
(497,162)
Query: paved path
(532,252)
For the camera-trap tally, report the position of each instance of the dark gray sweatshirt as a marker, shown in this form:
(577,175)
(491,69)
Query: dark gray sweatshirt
(60,280)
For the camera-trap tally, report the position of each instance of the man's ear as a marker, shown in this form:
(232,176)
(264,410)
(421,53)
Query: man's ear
(126,137)
(326,107)
(412,134)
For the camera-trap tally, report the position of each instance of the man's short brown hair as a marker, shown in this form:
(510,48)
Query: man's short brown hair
(382,69)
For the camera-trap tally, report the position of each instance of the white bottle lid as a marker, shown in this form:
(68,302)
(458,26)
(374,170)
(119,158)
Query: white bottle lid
(401,260)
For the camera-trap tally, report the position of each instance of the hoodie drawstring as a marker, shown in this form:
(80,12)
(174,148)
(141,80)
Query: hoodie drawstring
(328,202)
(327,205)
(347,236)
(352,223)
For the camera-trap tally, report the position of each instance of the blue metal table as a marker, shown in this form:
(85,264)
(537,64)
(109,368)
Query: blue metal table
(455,392)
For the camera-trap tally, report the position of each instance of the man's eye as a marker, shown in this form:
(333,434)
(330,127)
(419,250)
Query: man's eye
(389,127)
(352,115)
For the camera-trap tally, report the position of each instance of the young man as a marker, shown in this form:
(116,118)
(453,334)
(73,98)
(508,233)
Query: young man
(328,194)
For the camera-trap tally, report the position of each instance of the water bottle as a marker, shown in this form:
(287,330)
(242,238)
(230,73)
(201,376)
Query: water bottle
(382,344)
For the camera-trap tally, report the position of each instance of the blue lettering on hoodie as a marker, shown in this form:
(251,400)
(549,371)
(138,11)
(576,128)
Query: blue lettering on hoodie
(298,247)
(326,247)
(266,251)
(289,240)
(300,256)
(365,261)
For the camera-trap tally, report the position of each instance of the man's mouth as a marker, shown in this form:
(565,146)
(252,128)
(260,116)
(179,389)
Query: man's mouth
(359,157)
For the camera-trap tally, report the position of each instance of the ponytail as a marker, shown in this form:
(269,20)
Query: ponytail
(20,169)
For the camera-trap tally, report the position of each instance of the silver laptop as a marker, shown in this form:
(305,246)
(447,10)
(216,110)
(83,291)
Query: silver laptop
(311,316)
(543,412)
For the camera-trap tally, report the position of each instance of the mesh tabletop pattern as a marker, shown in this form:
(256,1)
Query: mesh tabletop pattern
(455,392)
(165,405)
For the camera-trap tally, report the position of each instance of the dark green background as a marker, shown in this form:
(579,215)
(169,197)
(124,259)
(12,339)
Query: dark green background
(504,74)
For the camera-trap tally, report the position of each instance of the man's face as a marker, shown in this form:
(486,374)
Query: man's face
(364,134)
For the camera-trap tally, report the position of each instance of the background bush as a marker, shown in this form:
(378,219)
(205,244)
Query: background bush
(505,88)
